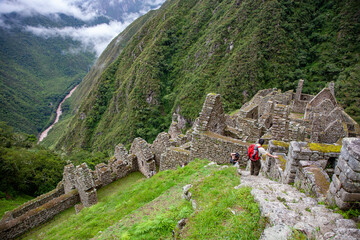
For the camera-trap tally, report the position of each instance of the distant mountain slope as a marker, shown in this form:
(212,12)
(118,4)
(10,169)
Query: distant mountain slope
(35,73)
(46,52)
(189,48)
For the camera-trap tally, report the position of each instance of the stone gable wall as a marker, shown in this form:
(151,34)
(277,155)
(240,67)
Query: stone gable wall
(159,145)
(145,157)
(212,117)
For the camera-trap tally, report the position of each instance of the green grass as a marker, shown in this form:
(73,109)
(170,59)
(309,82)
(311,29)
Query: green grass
(8,205)
(151,208)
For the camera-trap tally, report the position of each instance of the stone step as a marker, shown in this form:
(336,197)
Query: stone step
(286,208)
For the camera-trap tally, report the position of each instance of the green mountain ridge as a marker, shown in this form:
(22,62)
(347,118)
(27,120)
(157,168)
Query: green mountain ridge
(187,49)
(36,73)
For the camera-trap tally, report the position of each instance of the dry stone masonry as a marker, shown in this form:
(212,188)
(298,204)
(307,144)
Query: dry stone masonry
(345,185)
(295,127)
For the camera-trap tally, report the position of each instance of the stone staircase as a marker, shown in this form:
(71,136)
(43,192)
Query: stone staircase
(287,209)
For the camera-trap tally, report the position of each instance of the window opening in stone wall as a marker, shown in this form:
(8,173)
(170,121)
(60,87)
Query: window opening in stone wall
(331,162)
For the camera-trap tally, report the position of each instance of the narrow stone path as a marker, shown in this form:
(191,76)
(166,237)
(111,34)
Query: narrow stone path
(288,209)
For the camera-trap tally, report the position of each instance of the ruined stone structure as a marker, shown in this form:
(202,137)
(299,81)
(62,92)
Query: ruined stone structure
(345,186)
(159,145)
(212,117)
(173,157)
(145,157)
(290,116)
(289,122)
(216,148)
(36,212)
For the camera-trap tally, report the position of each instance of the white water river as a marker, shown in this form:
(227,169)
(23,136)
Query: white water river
(58,114)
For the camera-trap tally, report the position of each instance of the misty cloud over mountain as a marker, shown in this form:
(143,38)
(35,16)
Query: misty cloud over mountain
(98,21)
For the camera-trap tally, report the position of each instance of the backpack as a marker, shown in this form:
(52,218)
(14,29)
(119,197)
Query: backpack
(253,152)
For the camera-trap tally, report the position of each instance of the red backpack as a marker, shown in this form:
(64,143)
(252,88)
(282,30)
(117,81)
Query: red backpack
(253,152)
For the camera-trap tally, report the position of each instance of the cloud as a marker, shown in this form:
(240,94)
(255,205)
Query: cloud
(47,7)
(94,37)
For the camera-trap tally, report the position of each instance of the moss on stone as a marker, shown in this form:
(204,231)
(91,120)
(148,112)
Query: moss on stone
(325,148)
(281,144)
(320,180)
(282,161)
(177,149)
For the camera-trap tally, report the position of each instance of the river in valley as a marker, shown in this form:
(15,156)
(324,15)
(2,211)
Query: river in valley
(58,114)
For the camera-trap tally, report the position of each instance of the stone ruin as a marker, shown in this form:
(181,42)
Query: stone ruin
(293,124)
(344,189)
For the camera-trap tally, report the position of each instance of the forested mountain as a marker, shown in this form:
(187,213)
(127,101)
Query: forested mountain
(47,47)
(36,72)
(189,48)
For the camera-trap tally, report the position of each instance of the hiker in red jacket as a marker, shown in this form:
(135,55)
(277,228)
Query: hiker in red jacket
(254,153)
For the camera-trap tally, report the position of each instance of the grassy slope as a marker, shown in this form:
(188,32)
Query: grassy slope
(150,209)
(235,48)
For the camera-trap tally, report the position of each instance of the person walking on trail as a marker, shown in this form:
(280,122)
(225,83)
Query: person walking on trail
(235,158)
(254,153)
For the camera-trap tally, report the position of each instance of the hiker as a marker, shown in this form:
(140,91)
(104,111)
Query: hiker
(235,158)
(254,153)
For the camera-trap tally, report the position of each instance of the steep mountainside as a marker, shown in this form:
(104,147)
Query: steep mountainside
(36,73)
(46,52)
(232,47)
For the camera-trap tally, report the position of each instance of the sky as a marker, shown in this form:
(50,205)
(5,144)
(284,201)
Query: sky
(92,37)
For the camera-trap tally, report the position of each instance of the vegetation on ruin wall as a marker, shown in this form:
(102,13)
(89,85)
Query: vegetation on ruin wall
(151,208)
(190,48)
(325,148)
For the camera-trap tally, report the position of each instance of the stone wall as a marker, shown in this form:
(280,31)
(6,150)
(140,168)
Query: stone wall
(69,178)
(274,167)
(159,145)
(35,203)
(103,173)
(85,185)
(173,157)
(280,127)
(212,117)
(312,179)
(249,128)
(217,148)
(34,217)
(144,155)
(345,186)
(301,151)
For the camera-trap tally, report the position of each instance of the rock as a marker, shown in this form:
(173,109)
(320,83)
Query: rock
(347,234)
(194,204)
(345,223)
(186,188)
(277,232)
(181,224)
(305,228)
